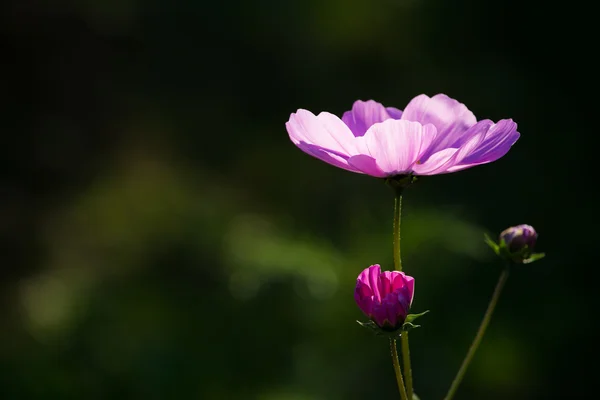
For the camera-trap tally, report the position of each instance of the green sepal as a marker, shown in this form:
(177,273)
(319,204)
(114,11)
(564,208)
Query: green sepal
(415,397)
(411,317)
(523,256)
(380,331)
(534,257)
(369,324)
(491,243)
(400,182)
(406,326)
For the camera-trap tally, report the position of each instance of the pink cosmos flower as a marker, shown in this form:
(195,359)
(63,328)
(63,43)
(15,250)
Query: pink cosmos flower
(384,297)
(434,135)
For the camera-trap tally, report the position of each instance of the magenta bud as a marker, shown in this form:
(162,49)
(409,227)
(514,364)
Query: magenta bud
(384,297)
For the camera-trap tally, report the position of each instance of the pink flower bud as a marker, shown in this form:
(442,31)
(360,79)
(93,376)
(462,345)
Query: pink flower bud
(384,297)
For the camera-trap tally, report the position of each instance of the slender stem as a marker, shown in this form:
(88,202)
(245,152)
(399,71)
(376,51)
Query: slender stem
(484,323)
(397,214)
(406,365)
(396,362)
(398,267)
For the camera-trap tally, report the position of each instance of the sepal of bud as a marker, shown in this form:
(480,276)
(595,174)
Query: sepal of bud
(394,333)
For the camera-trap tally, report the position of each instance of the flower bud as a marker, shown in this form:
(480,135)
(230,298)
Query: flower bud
(517,237)
(518,242)
(384,297)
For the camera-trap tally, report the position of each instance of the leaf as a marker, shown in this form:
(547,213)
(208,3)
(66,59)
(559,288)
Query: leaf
(491,243)
(534,257)
(369,324)
(407,326)
(411,317)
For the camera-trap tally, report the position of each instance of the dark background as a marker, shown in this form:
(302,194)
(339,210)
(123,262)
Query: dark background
(162,237)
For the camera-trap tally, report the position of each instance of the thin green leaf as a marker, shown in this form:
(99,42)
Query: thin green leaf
(534,257)
(412,317)
(407,326)
(491,243)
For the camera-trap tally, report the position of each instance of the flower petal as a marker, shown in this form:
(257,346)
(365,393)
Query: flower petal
(379,314)
(363,290)
(370,277)
(364,298)
(325,130)
(450,117)
(387,278)
(396,145)
(441,161)
(393,309)
(365,275)
(329,156)
(497,141)
(410,289)
(367,165)
(366,113)
(394,113)
(437,163)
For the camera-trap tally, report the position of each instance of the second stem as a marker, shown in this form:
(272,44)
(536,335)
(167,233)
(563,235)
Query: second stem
(480,332)
(398,267)
(397,220)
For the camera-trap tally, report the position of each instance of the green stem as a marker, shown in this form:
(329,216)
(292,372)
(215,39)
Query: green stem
(397,214)
(406,365)
(398,267)
(396,362)
(484,323)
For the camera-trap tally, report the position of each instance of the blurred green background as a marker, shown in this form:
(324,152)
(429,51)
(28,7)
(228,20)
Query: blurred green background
(162,237)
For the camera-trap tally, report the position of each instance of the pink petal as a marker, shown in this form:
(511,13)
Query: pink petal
(328,156)
(363,290)
(393,309)
(399,281)
(404,284)
(410,288)
(367,165)
(474,138)
(450,117)
(363,297)
(364,276)
(394,113)
(387,279)
(497,142)
(370,277)
(378,282)
(437,163)
(325,130)
(396,144)
(441,161)
(404,301)
(366,113)
(380,314)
